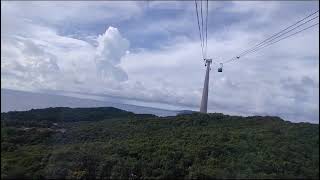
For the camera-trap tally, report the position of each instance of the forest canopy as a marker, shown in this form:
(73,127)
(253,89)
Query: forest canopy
(104,143)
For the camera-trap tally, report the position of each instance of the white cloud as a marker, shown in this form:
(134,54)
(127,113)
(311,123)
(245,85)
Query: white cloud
(61,12)
(111,47)
(37,57)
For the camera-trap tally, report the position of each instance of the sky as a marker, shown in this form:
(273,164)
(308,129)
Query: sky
(149,51)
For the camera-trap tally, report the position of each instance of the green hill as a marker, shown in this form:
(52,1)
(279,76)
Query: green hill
(108,143)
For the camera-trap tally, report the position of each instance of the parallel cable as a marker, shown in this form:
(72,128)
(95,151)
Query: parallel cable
(199,27)
(283,38)
(273,37)
(285,29)
(206,32)
(277,36)
(202,27)
(266,45)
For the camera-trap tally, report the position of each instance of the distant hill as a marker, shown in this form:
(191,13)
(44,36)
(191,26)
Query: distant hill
(185,112)
(104,143)
(13,100)
(65,114)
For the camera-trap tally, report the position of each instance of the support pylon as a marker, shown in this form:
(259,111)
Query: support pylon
(204,99)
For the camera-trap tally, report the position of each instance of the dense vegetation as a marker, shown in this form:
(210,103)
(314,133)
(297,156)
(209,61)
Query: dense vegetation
(111,143)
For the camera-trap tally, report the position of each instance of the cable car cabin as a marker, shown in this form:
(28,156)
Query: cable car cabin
(220,68)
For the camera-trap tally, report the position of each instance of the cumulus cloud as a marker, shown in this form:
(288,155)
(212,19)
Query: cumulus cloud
(23,62)
(111,47)
(38,57)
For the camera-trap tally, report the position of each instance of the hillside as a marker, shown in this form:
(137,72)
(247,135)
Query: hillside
(111,143)
(14,100)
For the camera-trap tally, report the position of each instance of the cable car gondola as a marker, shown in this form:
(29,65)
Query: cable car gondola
(220,68)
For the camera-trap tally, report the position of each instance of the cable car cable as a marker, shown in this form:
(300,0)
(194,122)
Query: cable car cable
(284,38)
(274,35)
(202,26)
(206,51)
(283,30)
(278,36)
(199,27)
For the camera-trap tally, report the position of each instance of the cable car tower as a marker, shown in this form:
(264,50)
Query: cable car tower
(204,45)
(204,99)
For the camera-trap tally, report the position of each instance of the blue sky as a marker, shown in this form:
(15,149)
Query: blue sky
(150,52)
